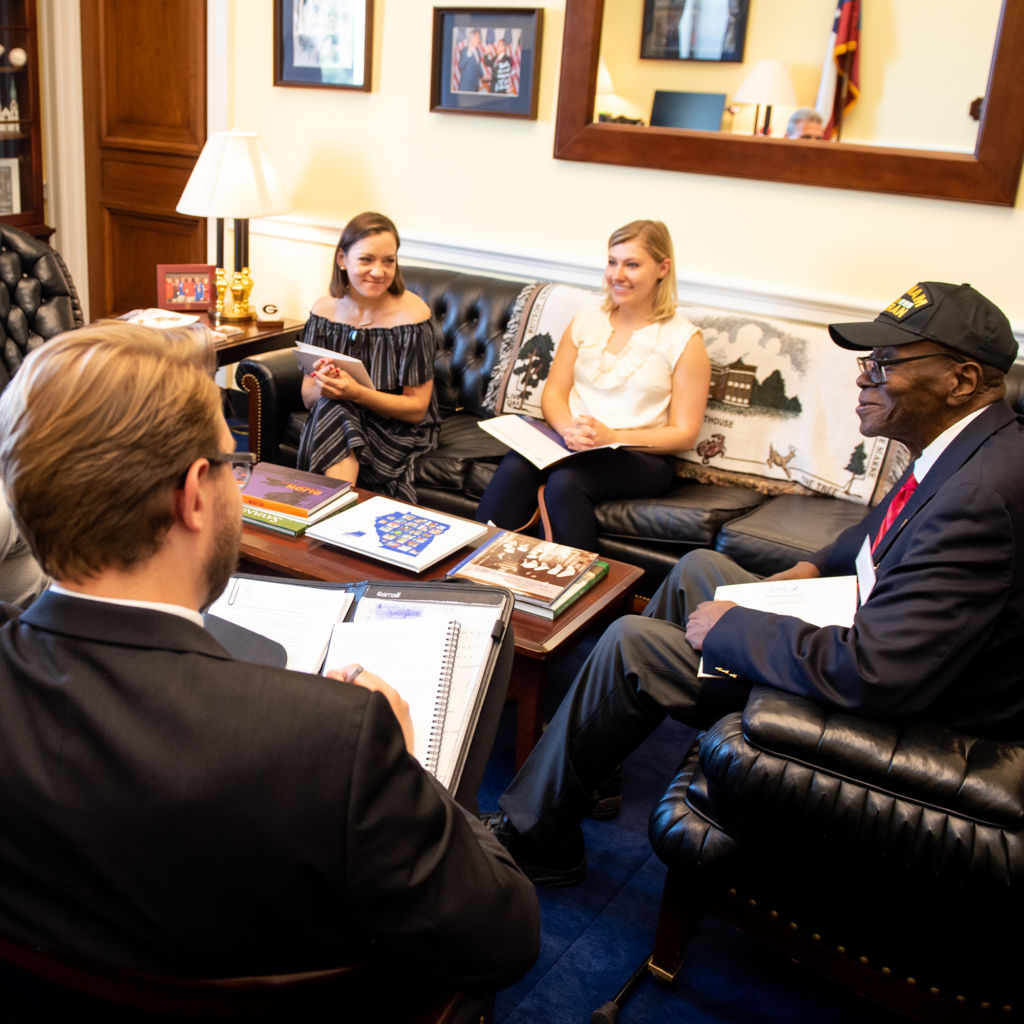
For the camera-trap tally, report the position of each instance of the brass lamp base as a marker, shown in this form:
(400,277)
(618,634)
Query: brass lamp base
(232,306)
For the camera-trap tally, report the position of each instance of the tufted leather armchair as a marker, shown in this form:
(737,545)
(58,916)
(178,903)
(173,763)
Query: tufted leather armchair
(37,298)
(889,857)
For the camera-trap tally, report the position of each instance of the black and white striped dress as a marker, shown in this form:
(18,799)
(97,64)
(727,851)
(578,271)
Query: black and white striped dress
(386,448)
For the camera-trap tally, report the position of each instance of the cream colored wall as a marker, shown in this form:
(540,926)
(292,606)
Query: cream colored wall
(489,186)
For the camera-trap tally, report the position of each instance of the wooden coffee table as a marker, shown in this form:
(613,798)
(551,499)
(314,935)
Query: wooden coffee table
(537,640)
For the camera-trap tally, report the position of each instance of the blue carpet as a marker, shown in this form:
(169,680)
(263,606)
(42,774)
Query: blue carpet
(593,936)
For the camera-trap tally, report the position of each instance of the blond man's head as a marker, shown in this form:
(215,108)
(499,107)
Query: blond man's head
(96,429)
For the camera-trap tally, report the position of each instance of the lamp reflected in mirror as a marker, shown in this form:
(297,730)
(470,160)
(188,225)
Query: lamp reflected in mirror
(768,85)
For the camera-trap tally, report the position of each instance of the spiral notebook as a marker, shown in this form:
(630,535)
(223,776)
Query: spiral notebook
(417,659)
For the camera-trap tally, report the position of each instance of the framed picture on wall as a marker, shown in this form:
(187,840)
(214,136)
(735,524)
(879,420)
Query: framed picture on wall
(10,186)
(714,30)
(486,60)
(325,44)
(186,287)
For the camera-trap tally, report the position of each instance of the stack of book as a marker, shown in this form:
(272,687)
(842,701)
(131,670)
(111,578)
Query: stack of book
(545,578)
(289,500)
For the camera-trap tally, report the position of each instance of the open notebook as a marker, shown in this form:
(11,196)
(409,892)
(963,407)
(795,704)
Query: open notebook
(419,665)
(436,642)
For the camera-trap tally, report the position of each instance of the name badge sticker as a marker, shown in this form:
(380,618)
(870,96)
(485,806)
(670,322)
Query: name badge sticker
(865,570)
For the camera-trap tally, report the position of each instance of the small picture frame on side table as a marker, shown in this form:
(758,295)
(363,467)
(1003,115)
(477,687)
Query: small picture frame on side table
(186,287)
(486,60)
(10,186)
(327,45)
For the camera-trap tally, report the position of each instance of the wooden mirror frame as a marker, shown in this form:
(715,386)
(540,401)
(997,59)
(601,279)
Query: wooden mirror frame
(989,175)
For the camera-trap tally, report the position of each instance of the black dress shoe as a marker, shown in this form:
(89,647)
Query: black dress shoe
(551,866)
(609,797)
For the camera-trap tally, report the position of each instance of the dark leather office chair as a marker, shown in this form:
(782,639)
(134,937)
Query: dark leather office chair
(37,298)
(888,857)
(50,986)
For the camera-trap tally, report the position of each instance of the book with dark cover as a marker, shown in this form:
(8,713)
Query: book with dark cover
(291,491)
(536,571)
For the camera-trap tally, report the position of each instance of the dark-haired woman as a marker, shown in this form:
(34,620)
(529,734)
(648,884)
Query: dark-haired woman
(366,435)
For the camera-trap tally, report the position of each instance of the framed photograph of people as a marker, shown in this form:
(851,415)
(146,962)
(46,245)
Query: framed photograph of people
(714,30)
(486,60)
(10,186)
(186,287)
(323,43)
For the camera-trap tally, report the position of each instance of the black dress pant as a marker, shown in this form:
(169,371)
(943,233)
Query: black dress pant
(641,670)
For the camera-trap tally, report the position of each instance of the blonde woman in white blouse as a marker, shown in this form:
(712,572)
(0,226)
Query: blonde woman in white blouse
(632,371)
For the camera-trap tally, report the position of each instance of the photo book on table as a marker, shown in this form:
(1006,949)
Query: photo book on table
(535,570)
(584,583)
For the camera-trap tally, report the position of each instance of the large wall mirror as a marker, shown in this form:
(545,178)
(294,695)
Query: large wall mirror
(988,175)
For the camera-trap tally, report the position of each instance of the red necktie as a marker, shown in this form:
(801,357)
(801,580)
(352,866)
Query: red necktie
(899,499)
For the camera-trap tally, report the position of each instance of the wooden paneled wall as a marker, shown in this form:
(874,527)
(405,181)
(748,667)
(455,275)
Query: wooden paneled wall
(144,84)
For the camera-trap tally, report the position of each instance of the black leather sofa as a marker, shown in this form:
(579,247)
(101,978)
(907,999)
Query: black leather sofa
(764,534)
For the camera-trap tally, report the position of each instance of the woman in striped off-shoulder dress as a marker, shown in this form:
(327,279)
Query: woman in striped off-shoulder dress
(370,436)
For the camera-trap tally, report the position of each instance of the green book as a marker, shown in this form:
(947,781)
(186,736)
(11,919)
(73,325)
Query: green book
(293,526)
(273,521)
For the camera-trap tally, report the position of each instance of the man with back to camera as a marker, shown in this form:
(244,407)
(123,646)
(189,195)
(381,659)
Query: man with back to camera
(167,808)
(937,638)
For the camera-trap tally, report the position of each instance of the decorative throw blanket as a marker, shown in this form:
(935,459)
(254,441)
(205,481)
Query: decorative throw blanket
(780,415)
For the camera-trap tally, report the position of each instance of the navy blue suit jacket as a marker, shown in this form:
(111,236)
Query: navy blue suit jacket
(940,636)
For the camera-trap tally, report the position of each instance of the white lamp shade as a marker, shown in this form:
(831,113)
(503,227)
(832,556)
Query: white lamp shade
(768,84)
(233,177)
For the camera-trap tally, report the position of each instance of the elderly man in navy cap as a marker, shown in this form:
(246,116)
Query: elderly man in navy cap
(941,560)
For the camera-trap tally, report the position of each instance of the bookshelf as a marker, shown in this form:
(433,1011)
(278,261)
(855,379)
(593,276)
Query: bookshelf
(21,169)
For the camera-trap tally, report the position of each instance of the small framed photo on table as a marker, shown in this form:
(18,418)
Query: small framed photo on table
(10,186)
(327,44)
(186,287)
(486,60)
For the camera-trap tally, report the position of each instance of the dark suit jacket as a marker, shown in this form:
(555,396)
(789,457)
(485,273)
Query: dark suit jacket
(940,636)
(166,807)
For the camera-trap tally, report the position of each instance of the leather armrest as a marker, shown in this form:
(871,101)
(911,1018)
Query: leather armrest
(274,380)
(682,827)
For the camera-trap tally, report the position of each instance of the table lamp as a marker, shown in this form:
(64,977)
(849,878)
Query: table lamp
(767,84)
(233,177)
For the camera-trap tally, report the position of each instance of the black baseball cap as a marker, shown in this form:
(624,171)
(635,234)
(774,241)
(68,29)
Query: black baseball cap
(954,315)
